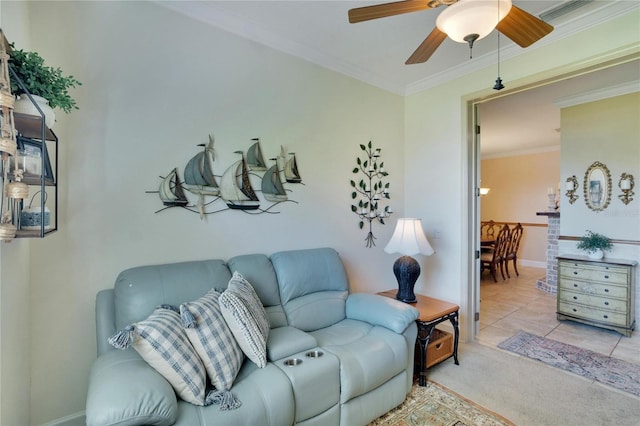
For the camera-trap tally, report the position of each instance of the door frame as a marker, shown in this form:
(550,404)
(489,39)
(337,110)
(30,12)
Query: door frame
(470,297)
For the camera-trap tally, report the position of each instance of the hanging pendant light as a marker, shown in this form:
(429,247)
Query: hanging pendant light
(469,20)
(498,85)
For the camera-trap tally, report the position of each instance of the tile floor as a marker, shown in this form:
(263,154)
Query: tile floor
(516,304)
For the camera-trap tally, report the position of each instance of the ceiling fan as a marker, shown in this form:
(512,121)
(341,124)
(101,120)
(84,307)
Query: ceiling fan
(463,21)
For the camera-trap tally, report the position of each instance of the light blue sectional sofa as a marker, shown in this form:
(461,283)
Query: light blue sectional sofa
(356,349)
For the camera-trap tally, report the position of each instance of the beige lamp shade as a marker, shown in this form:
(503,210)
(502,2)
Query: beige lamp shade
(408,239)
(467,17)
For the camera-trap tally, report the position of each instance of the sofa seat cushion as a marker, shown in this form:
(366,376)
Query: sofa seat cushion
(342,333)
(366,362)
(266,395)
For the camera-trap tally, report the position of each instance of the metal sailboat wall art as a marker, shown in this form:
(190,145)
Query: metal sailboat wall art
(239,186)
(171,192)
(272,187)
(198,173)
(235,187)
(255,160)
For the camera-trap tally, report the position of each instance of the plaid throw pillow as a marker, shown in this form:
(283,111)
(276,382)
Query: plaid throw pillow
(246,317)
(213,341)
(162,343)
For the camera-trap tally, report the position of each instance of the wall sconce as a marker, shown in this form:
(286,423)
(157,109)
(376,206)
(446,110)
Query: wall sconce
(571,186)
(484,191)
(626,184)
(371,192)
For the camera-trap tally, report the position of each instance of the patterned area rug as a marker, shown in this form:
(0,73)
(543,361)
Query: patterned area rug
(613,372)
(435,405)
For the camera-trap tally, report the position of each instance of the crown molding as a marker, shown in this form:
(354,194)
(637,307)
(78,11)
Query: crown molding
(597,95)
(518,153)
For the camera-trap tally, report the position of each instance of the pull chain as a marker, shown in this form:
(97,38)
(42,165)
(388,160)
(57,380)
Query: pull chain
(498,85)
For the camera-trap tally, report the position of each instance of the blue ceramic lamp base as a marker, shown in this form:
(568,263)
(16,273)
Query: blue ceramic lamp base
(407,270)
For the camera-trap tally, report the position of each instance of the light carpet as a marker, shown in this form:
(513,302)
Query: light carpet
(435,405)
(613,372)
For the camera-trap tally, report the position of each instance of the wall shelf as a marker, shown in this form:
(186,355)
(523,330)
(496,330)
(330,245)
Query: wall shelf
(32,133)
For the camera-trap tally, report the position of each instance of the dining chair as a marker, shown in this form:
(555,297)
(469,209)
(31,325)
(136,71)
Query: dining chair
(495,258)
(512,249)
(487,235)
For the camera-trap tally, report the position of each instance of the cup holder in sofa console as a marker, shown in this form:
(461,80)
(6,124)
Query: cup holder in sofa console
(292,362)
(314,354)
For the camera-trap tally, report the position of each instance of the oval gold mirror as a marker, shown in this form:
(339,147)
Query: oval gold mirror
(597,186)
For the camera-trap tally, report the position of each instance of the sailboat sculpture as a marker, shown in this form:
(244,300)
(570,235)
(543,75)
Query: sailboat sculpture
(291,173)
(272,188)
(198,173)
(171,192)
(236,189)
(255,160)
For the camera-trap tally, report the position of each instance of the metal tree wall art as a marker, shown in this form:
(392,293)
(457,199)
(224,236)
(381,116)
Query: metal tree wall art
(370,191)
(237,187)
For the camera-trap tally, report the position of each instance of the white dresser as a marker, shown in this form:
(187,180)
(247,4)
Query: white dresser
(597,292)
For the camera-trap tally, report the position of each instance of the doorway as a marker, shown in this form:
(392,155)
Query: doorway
(573,83)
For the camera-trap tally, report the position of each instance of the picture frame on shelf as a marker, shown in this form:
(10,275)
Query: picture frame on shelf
(29,158)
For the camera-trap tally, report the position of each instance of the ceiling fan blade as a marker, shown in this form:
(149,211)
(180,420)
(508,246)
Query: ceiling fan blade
(523,28)
(367,13)
(428,46)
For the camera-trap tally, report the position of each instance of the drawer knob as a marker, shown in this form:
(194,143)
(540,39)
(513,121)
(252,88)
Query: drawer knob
(606,277)
(575,272)
(605,316)
(575,310)
(575,297)
(606,290)
(606,303)
(575,285)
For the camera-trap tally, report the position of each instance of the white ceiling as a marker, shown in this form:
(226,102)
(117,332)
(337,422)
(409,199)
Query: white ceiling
(375,52)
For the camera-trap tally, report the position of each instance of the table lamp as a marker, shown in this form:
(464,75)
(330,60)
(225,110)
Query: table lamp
(408,239)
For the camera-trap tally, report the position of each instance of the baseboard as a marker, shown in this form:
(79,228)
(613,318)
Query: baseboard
(533,263)
(76,419)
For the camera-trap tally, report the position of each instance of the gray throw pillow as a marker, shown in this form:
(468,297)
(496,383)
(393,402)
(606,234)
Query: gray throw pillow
(213,340)
(163,344)
(246,317)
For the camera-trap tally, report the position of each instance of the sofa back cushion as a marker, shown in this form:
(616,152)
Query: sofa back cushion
(138,291)
(258,270)
(313,287)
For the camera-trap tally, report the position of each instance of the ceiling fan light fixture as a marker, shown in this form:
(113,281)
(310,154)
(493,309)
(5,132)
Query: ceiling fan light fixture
(472,17)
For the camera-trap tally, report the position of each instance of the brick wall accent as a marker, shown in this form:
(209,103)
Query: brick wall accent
(549,283)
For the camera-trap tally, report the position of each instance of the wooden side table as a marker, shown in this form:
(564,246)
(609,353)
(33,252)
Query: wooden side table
(432,312)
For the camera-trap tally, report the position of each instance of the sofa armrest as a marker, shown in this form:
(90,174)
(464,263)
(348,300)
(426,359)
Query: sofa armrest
(125,390)
(380,310)
(286,341)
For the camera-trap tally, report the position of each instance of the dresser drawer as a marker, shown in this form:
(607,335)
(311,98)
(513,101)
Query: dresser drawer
(602,274)
(604,303)
(594,289)
(589,313)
